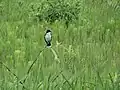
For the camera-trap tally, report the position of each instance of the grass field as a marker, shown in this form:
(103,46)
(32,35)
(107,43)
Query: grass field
(84,56)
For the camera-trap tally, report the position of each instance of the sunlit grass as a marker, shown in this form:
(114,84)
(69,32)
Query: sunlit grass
(84,56)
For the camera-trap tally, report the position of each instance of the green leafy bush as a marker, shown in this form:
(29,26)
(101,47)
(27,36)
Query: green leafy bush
(51,11)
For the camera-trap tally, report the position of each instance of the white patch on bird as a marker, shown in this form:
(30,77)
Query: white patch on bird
(48,36)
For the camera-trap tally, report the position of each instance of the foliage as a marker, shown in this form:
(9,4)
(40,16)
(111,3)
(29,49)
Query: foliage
(86,54)
(56,10)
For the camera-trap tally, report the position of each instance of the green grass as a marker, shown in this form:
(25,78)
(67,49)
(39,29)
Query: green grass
(88,50)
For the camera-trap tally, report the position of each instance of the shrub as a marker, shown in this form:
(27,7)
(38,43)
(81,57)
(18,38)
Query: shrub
(51,11)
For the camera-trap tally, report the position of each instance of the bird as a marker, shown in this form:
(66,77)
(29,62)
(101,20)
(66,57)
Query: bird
(48,37)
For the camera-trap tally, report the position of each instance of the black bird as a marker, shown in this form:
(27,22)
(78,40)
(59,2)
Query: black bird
(48,37)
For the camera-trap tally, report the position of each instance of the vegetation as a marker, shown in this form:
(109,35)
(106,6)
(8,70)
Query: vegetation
(85,52)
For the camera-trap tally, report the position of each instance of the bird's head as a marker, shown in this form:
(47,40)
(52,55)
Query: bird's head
(48,31)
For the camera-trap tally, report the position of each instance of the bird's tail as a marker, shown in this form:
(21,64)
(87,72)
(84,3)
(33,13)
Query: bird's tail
(48,44)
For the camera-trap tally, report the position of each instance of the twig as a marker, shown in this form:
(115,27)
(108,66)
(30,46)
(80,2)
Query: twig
(56,57)
(57,76)
(32,65)
(13,74)
(67,81)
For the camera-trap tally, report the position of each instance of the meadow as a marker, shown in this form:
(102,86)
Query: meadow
(85,52)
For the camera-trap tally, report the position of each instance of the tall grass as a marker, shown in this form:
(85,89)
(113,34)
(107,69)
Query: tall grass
(87,51)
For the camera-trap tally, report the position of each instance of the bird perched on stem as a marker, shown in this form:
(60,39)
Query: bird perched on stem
(48,37)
